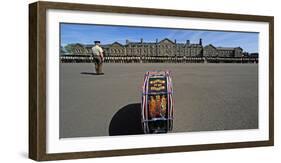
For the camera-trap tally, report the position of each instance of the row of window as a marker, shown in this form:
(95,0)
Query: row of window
(152,51)
(197,50)
(161,46)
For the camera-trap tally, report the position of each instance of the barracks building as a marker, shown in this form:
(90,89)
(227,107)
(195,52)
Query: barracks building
(158,51)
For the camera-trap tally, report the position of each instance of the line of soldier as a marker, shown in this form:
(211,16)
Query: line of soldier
(146,59)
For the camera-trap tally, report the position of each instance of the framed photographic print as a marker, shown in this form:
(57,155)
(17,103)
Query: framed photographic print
(111,81)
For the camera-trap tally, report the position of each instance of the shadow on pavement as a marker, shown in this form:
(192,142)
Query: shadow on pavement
(89,73)
(127,121)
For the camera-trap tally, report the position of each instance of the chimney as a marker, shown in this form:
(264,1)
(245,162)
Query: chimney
(156,40)
(127,41)
(175,41)
(200,41)
(141,40)
(187,42)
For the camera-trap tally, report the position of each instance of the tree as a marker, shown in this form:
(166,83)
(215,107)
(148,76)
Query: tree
(62,50)
(69,48)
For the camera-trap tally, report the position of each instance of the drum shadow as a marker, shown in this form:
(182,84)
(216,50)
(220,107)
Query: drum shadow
(127,121)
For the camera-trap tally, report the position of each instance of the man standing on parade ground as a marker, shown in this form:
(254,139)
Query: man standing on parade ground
(98,57)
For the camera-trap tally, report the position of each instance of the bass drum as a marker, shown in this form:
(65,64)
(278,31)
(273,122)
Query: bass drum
(157,103)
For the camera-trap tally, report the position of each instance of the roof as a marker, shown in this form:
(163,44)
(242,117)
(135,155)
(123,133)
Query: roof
(210,45)
(168,40)
(105,45)
(117,43)
(228,48)
(143,43)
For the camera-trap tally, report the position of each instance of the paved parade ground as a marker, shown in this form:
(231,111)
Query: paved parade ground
(207,97)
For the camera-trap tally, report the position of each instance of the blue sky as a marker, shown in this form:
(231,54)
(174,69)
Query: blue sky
(86,34)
